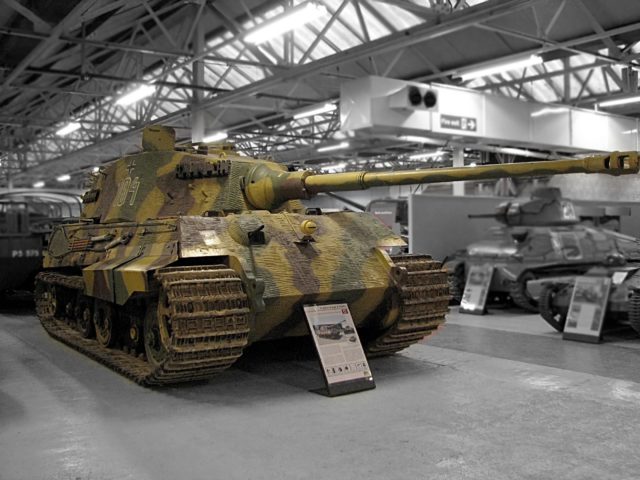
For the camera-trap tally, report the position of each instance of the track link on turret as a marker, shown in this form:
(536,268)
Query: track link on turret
(424,300)
(205,308)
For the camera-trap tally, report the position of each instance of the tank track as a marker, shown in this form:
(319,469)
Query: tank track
(634,311)
(209,318)
(548,311)
(424,301)
(520,298)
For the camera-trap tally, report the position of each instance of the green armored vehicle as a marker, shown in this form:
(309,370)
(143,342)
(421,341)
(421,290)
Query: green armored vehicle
(26,219)
(183,257)
(539,239)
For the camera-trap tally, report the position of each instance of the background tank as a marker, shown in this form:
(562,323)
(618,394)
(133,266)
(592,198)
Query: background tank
(623,305)
(183,257)
(539,239)
(26,220)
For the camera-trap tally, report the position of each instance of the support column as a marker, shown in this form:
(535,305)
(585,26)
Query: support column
(458,161)
(197,115)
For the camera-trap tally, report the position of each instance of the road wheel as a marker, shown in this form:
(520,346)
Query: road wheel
(104,319)
(84,317)
(156,331)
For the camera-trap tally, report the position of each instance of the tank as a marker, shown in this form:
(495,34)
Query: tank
(183,257)
(26,220)
(623,304)
(539,239)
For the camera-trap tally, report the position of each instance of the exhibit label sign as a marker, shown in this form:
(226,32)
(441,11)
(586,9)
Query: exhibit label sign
(476,289)
(344,364)
(587,309)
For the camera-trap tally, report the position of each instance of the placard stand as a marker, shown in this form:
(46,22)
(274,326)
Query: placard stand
(587,309)
(344,365)
(476,289)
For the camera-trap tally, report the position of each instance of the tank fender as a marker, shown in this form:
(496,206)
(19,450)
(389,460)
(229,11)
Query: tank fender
(253,284)
(117,279)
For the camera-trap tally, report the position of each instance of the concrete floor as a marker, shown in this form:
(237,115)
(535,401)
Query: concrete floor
(493,397)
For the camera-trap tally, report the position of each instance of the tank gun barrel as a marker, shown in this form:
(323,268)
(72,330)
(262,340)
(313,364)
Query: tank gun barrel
(266,188)
(616,163)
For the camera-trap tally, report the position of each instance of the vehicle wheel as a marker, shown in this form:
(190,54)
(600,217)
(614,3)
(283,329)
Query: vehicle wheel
(104,317)
(456,284)
(47,302)
(519,294)
(156,333)
(84,317)
(634,311)
(553,315)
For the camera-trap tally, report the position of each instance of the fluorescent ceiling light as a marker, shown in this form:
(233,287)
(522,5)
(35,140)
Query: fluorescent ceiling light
(143,91)
(215,137)
(619,101)
(515,151)
(338,166)
(418,156)
(290,20)
(315,110)
(68,128)
(548,111)
(418,139)
(629,132)
(329,148)
(39,184)
(64,178)
(483,72)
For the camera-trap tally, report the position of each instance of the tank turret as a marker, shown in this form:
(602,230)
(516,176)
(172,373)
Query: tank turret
(183,256)
(545,208)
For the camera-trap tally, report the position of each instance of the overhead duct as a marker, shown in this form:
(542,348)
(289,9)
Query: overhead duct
(378,106)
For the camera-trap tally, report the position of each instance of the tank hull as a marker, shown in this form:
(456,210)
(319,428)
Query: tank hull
(394,300)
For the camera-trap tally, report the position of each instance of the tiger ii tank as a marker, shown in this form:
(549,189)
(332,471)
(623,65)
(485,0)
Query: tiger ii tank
(184,256)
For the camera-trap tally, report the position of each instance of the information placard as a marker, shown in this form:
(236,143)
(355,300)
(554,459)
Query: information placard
(476,289)
(587,309)
(344,364)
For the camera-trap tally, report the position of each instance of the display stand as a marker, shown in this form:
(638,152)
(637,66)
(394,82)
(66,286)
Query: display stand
(476,289)
(587,309)
(342,359)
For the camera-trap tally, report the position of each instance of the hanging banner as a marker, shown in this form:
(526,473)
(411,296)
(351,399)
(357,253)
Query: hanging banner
(344,364)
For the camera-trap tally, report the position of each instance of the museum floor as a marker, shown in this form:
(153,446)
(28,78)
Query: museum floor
(493,397)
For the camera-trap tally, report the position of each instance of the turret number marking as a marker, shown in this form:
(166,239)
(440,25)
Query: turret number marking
(126,188)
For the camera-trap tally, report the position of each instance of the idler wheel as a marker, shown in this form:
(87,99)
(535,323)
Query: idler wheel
(50,298)
(84,317)
(157,331)
(104,323)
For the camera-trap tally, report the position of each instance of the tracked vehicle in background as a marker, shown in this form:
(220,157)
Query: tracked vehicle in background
(539,239)
(26,220)
(183,257)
